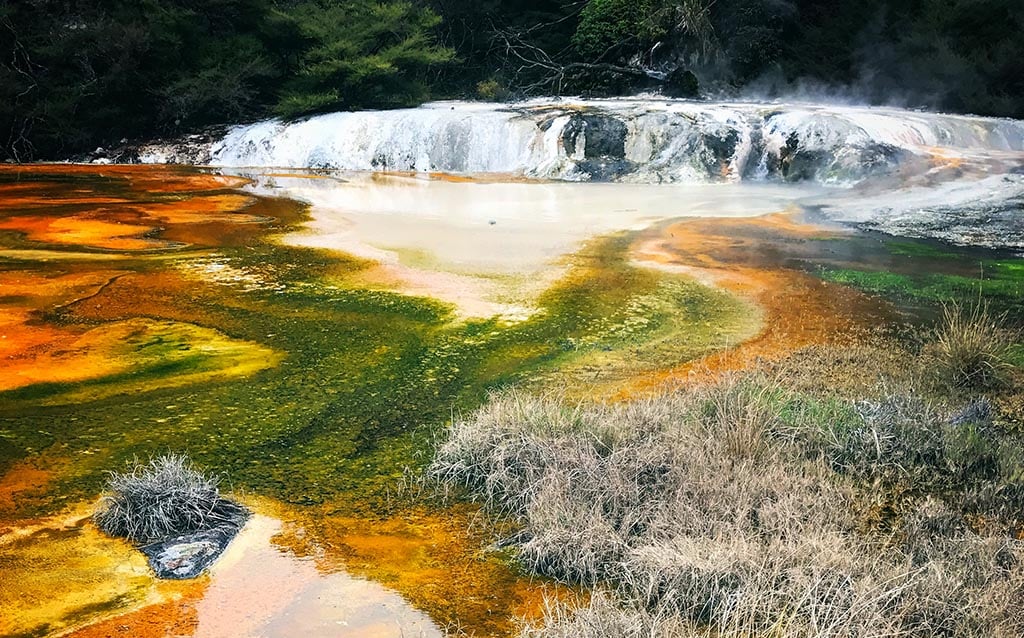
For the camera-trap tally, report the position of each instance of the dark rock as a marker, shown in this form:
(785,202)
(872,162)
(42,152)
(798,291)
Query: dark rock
(187,556)
(681,83)
(127,156)
(604,145)
(604,137)
(606,170)
(796,163)
(719,149)
(191,149)
(801,160)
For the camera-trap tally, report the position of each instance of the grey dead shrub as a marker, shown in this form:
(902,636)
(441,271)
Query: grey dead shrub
(163,498)
(903,444)
(731,510)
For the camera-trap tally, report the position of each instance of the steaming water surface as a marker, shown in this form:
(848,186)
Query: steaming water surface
(497,229)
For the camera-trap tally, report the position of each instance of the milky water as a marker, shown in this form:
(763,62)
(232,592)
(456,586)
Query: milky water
(498,228)
(952,177)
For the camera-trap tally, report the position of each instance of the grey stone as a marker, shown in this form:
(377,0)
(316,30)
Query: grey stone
(188,556)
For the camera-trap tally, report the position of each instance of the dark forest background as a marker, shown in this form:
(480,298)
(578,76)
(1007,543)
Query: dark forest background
(75,74)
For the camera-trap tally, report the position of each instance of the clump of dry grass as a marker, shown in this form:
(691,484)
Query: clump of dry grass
(604,616)
(731,510)
(164,498)
(970,348)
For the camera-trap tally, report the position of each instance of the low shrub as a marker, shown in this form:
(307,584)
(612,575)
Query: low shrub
(164,498)
(905,447)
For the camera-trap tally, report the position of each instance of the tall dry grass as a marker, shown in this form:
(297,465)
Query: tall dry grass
(733,509)
(970,348)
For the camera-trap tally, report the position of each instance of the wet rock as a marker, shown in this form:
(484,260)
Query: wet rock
(602,136)
(987,214)
(598,143)
(681,83)
(605,170)
(803,159)
(719,150)
(193,149)
(184,557)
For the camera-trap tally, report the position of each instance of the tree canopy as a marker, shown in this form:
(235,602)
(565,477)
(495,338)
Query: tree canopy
(79,73)
(76,73)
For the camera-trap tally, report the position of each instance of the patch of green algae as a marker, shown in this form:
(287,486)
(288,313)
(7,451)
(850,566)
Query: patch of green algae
(926,273)
(999,281)
(1003,284)
(361,377)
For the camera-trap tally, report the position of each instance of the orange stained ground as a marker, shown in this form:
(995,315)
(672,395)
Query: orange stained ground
(33,351)
(54,207)
(738,255)
(143,178)
(432,557)
(427,556)
(25,482)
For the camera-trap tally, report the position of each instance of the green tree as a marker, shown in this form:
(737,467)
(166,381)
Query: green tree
(616,29)
(360,54)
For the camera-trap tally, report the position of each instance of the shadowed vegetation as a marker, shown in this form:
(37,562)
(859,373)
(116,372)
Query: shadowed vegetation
(74,75)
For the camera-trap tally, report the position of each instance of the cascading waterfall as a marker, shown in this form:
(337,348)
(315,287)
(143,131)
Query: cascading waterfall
(953,177)
(646,141)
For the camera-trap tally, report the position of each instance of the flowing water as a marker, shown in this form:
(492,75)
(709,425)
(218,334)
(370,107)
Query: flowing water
(303,317)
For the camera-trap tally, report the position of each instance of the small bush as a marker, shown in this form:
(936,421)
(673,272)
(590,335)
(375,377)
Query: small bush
(970,349)
(491,90)
(910,449)
(164,498)
(604,617)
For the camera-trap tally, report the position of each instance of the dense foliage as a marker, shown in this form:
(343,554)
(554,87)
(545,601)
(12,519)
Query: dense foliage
(78,73)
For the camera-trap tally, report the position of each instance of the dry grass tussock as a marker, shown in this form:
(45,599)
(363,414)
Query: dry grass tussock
(737,509)
(970,347)
(162,499)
